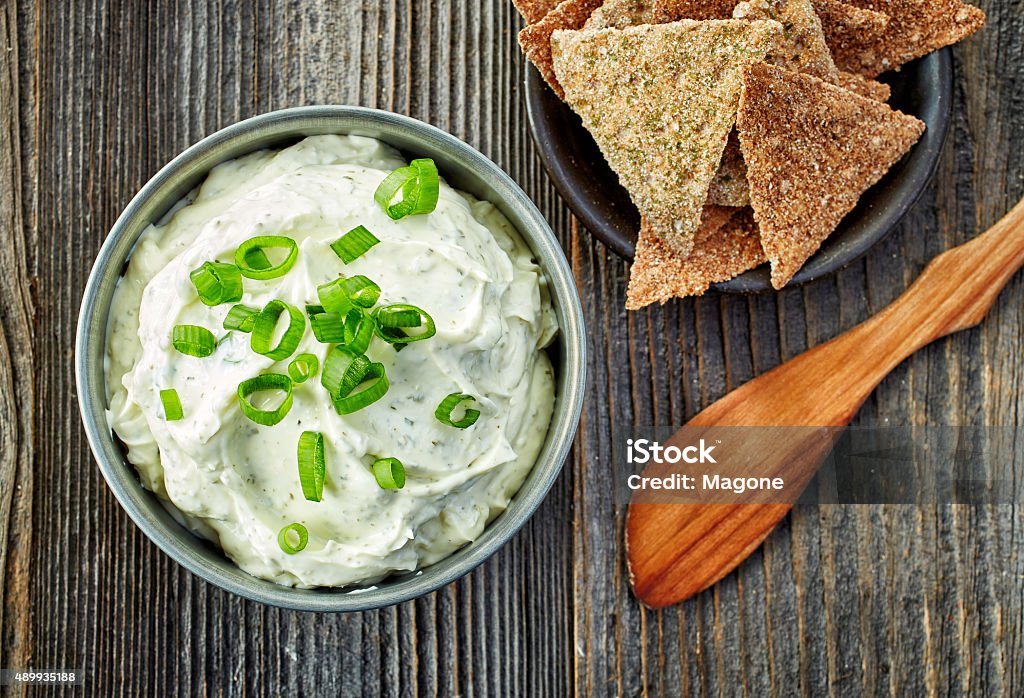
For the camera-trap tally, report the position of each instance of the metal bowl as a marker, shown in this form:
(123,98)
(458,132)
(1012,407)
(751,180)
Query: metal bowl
(464,168)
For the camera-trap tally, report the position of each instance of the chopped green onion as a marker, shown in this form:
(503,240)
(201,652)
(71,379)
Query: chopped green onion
(362,291)
(193,340)
(334,297)
(451,403)
(328,328)
(266,324)
(419,184)
(389,473)
(374,385)
(358,331)
(343,371)
(284,538)
(217,283)
(256,258)
(393,320)
(312,465)
(354,244)
(172,405)
(302,367)
(241,318)
(312,310)
(398,316)
(265,382)
(250,257)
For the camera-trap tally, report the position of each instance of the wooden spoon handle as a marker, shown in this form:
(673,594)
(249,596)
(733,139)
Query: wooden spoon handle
(954,292)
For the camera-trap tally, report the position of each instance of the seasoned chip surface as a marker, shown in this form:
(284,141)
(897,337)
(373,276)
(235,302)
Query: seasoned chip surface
(660,101)
(865,87)
(802,47)
(811,150)
(726,245)
(916,27)
(729,185)
(674,10)
(853,34)
(534,10)
(535,40)
(620,14)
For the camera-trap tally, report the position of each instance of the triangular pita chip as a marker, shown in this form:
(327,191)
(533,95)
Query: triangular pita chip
(916,27)
(660,101)
(729,186)
(865,87)
(726,245)
(802,47)
(534,10)
(674,10)
(811,150)
(853,34)
(620,14)
(535,39)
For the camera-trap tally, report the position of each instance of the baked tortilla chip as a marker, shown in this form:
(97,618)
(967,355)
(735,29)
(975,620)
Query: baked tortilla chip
(535,39)
(865,87)
(726,245)
(660,101)
(802,47)
(675,10)
(916,27)
(534,10)
(620,14)
(811,150)
(853,34)
(729,186)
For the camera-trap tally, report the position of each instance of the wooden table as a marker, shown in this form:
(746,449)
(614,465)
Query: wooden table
(96,96)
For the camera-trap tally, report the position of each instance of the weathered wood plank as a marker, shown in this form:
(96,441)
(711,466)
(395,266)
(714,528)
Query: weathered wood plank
(17,383)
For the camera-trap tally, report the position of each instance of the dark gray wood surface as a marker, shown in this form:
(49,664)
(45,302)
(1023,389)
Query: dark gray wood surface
(841,600)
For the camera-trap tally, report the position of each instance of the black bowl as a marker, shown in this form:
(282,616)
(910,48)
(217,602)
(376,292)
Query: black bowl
(581,175)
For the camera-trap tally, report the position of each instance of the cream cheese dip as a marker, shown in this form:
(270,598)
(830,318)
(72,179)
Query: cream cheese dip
(236,481)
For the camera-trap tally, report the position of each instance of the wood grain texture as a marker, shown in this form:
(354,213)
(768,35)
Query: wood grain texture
(96,96)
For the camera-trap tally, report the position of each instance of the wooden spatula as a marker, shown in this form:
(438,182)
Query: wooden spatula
(678,550)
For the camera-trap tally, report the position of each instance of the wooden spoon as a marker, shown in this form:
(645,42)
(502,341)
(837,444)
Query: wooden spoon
(678,550)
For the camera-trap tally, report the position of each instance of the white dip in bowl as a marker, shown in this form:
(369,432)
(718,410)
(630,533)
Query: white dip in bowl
(236,482)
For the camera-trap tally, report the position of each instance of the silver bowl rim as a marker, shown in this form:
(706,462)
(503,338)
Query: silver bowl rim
(140,504)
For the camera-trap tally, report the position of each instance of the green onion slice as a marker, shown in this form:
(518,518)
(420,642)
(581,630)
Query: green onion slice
(172,405)
(312,310)
(252,261)
(358,330)
(343,371)
(265,382)
(266,324)
(362,291)
(303,367)
(448,407)
(354,244)
(217,283)
(420,187)
(334,297)
(241,318)
(312,465)
(328,328)
(353,382)
(389,473)
(285,537)
(394,320)
(371,388)
(193,340)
